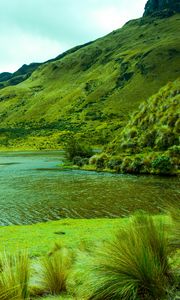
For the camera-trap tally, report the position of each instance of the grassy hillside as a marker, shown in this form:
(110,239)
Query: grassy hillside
(155,126)
(149,143)
(93,90)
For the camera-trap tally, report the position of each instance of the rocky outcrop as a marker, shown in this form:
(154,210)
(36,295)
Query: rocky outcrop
(162,7)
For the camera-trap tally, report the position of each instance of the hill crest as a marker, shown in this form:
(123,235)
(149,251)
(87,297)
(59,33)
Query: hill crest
(161,8)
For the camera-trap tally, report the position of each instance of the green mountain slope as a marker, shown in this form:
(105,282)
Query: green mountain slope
(91,91)
(149,143)
(156,124)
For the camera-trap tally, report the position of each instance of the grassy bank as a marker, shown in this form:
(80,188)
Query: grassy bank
(40,238)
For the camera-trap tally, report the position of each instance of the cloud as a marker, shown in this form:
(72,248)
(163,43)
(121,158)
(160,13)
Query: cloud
(37,30)
(20,48)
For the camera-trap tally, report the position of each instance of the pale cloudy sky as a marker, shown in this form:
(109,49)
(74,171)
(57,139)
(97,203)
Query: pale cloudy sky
(38,30)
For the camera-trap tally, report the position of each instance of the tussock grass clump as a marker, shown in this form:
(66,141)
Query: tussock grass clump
(132,266)
(14,276)
(55,270)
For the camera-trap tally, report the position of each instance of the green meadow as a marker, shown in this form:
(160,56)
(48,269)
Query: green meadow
(40,238)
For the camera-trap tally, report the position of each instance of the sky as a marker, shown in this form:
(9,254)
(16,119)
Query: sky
(38,30)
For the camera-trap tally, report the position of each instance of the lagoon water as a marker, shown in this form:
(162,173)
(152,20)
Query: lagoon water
(32,190)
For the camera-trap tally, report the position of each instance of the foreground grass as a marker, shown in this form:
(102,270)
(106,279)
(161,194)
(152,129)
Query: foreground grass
(14,276)
(81,239)
(134,265)
(40,238)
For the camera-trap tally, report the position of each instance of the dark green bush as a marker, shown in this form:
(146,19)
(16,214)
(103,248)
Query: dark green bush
(74,148)
(148,139)
(136,166)
(165,139)
(162,164)
(125,166)
(79,161)
(132,132)
(115,163)
(146,165)
(101,161)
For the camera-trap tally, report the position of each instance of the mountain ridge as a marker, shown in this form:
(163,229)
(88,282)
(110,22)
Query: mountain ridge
(161,8)
(25,71)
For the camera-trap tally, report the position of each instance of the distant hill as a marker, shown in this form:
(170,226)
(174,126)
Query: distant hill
(9,79)
(91,90)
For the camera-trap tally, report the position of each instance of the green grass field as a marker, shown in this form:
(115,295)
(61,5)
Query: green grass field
(40,238)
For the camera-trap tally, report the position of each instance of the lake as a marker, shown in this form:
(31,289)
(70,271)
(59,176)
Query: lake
(32,190)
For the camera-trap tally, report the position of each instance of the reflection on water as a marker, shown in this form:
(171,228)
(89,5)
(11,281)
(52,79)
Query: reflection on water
(33,190)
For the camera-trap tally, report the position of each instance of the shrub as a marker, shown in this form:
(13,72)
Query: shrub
(55,270)
(130,146)
(165,139)
(75,149)
(14,277)
(146,164)
(79,161)
(115,163)
(136,165)
(85,161)
(174,151)
(93,159)
(162,164)
(132,266)
(148,139)
(101,161)
(125,166)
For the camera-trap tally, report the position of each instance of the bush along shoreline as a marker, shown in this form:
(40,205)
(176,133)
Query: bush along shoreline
(149,143)
(152,163)
(155,163)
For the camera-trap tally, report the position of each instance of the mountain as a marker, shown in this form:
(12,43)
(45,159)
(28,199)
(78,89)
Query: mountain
(91,90)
